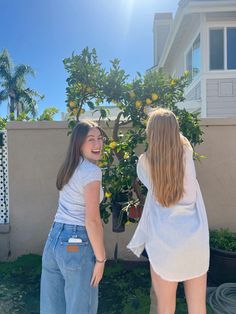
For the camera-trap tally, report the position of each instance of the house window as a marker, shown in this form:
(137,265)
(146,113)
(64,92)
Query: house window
(193,59)
(216,49)
(223,48)
(231,48)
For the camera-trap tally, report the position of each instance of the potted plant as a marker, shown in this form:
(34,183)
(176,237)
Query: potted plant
(118,208)
(222,256)
(135,212)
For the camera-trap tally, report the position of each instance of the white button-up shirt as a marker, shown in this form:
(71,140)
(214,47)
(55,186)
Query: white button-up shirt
(176,238)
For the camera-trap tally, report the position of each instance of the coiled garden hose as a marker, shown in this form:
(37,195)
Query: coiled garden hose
(222,299)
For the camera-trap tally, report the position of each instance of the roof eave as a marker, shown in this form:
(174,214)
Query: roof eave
(193,7)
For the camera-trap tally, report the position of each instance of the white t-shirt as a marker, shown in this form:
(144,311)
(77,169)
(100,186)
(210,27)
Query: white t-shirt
(176,238)
(71,207)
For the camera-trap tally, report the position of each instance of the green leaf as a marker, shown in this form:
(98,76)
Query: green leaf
(91,105)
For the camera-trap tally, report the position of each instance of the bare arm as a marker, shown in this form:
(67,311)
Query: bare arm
(94,227)
(190,181)
(142,171)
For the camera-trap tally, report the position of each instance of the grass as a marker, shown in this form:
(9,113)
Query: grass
(19,285)
(124,289)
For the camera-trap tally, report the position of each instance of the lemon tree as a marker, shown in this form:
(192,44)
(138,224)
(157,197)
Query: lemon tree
(91,86)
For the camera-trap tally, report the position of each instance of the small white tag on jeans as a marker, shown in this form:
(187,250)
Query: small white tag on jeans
(75,240)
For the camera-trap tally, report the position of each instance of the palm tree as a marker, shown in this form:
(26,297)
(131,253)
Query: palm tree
(13,83)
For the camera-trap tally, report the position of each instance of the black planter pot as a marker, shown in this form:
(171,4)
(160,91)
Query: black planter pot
(123,197)
(118,224)
(222,266)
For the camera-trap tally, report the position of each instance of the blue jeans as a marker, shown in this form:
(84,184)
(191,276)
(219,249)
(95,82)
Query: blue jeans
(67,271)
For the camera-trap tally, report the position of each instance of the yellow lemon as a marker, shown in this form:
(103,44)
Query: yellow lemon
(138,104)
(108,194)
(101,164)
(148,101)
(72,104)
(172,83)
(75,111)
(154,96)
(113,145)
(126,155)
(82,111)
(186,73)
(132,94)
(89,89)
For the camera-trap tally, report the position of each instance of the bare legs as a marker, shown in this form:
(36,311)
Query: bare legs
(195,292)
(165,291)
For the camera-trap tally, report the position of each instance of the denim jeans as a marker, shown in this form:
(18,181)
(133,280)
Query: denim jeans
(67,271)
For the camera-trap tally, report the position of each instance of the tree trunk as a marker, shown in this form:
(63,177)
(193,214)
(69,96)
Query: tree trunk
(12,108)
(17,110)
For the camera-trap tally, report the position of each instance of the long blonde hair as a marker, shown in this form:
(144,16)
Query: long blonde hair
(165,156)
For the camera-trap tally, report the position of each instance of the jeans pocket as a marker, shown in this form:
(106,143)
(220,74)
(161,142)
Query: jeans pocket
(75,256)
(64,242)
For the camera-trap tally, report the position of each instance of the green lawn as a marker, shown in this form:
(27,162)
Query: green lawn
(124,288)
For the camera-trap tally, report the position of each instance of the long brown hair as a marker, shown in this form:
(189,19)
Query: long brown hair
(74,154)
(165,156)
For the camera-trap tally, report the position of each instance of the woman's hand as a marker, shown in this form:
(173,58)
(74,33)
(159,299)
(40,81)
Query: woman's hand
(97,274)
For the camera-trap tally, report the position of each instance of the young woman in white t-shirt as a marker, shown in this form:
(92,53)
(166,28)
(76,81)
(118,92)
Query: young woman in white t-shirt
(173,228)
(74,254)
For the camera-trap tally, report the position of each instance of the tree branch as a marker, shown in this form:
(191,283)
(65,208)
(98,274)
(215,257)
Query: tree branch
(137,189)
(125,123)
(116,126)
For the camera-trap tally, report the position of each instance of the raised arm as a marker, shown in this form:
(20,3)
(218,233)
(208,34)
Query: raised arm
(143,171)
(190,181)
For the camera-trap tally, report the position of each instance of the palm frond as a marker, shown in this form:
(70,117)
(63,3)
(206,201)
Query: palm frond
(32,108)
(6,65)
(19,76)
(3,95)
(22,70)
(13,85)
(33,93)
(27,100)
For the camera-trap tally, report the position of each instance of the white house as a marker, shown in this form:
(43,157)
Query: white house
(201,39)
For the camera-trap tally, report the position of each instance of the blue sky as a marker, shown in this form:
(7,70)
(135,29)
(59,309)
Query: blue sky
(42,33)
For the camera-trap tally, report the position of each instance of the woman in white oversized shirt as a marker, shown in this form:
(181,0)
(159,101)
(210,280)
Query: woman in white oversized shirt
(173,228)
